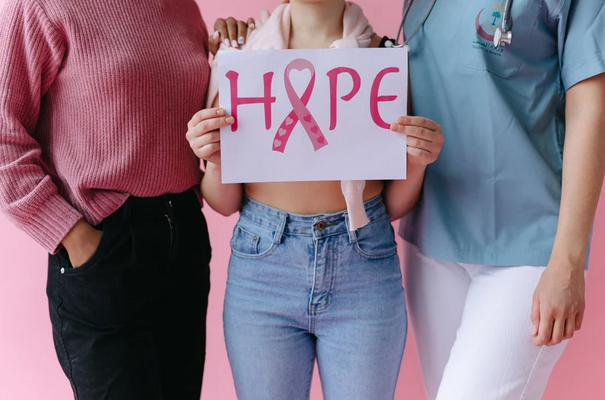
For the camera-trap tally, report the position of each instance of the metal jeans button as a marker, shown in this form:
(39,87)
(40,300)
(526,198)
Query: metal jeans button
(321,226)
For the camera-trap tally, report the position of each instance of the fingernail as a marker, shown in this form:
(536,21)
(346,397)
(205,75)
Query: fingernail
(220,112)
(402,120)
(241,40)
(226,41)
(234,43)
(251,26)
(215,35)
(229,120)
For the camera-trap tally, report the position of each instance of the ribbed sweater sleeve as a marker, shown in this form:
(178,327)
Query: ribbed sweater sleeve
(31,51)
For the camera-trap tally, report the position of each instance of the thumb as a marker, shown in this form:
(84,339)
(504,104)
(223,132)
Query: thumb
(213,47)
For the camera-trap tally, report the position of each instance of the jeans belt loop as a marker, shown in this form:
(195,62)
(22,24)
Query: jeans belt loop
(352,234)
(279,232)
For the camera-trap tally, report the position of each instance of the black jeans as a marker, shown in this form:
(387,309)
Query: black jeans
(130,324)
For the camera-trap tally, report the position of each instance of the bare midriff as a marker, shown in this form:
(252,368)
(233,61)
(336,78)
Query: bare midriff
(307,198)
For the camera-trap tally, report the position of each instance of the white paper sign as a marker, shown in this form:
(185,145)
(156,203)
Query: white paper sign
(313,115)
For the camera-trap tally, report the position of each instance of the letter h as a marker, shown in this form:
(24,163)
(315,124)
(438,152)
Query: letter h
(237,101)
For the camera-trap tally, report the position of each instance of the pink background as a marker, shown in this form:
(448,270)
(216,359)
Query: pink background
(29,369)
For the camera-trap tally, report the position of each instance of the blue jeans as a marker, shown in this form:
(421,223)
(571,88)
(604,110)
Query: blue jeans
(302,287)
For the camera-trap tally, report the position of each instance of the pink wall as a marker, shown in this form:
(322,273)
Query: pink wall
(29,370)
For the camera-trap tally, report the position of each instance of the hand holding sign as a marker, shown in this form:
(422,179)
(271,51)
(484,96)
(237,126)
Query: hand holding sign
(425,138)
(204,134)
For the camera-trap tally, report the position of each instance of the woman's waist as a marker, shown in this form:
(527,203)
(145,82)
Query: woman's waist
(307,198)
(327,223)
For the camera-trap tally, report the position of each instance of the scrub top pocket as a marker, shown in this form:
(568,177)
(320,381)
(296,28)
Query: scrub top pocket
(482,17)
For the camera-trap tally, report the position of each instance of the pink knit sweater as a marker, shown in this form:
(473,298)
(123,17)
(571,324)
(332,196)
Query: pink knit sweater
(94,102)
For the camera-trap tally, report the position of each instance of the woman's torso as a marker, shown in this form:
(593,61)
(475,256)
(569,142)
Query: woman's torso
(308,198)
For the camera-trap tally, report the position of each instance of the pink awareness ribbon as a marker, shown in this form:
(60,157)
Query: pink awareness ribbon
(299,112)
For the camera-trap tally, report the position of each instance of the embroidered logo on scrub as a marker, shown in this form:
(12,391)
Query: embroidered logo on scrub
(486,25)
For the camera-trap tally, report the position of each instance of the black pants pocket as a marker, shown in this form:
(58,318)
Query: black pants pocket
(105,291)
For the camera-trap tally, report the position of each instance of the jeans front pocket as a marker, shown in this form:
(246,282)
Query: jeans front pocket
(251,240)
(376,240)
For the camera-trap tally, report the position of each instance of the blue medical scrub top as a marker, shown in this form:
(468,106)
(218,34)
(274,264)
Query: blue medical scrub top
(493,196)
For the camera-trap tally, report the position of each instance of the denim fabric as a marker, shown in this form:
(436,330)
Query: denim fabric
(302,288)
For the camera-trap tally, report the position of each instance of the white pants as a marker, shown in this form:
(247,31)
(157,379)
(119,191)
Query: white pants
(473,329)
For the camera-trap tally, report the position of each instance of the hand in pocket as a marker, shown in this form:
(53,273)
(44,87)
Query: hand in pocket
(81,243)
